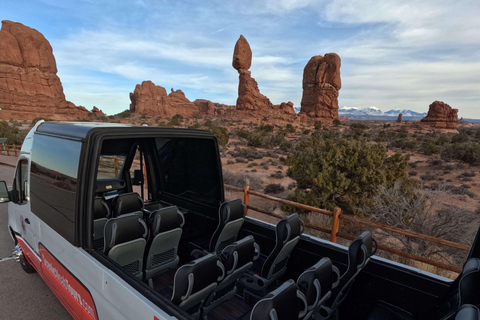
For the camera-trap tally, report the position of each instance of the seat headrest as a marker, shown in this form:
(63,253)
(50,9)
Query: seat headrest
(100,209)
(281,302)
(231,210)
(468,312)
(321,271)
(360,249)
(469,284)
(245,253)
(166,219)
(289,227)
(204,273)
(122,229)
(127,203)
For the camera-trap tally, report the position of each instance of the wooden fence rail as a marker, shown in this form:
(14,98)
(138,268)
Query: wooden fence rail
(10,150)
(334,230)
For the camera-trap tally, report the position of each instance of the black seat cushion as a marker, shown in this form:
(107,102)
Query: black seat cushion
(165,219)
(468,312)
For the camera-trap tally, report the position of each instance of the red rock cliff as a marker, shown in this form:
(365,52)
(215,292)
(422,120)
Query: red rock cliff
(29,85)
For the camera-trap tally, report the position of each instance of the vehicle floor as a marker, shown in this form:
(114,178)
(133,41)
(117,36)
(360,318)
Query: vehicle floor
(233,309)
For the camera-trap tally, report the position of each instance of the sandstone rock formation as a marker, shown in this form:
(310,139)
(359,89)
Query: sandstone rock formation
(399,119)
(321,82)
(287,108)
(153,100)
(441,116)
(29,85)
(249,96)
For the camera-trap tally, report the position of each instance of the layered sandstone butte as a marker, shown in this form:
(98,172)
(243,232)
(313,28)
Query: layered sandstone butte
(441,116)
(249,96)
(321,82)
(29,85)
(150,99)
(399,118)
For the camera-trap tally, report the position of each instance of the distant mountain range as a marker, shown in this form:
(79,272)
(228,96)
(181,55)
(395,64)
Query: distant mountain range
(373,113)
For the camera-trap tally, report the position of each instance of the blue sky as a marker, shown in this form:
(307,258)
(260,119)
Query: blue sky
(395,54)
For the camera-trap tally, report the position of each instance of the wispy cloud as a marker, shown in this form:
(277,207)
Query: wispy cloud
(401,53)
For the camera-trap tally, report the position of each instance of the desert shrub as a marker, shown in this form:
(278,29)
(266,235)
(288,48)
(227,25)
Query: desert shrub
(274,188)
(468,174)
(240,180)
(414,210)
(442,139)
(280,167)
(340,172)
(460,138)
(317,125)
(429,148)
(292,185)
(286,145)
(247,153)
(336,122)
(241,160)
(277,175)
(358,125)
(265,128)
(252,164)
(124,114)
(176,120)
(289,128)
(220,132)
(412,173)
(468,152)
(306,132)
(404,144)
(12,133)
(428,176)
(230,162)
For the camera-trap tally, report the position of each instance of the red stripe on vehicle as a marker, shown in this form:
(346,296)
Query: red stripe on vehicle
(67,287)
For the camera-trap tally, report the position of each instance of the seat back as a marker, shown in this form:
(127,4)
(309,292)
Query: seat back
(280,304)
(127,203)
(316,284)
(468,312)
(237,258)
(195,281)
(162,247)
(231,215)
(125,241)
(359,253)
(101,213)
(469,284)
(288,231)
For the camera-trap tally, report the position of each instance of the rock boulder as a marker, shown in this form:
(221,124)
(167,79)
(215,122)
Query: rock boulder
(441,116)
(321,82)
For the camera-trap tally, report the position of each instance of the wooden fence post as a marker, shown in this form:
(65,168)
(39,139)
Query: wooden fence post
(15,150)
(335,224)
(115,165)
(246,197)
(8,151)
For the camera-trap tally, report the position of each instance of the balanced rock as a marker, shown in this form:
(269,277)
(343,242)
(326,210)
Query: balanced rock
(321,82)
(441,116)
(29,85)
(399,119)
(249,96)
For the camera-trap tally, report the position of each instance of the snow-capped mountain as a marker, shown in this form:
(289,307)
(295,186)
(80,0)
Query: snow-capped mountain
(374,113)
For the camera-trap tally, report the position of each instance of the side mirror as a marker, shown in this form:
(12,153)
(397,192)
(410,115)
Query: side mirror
(137,177)
(4,195)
